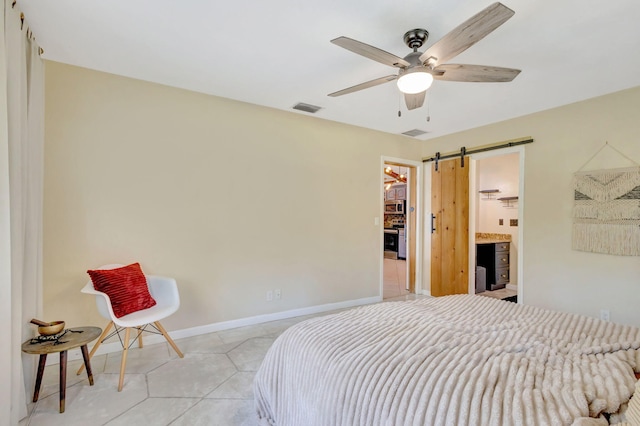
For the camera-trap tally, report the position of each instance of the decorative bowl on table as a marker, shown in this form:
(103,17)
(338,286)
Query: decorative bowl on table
(54,327)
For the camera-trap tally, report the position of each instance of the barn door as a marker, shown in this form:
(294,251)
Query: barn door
(450,228)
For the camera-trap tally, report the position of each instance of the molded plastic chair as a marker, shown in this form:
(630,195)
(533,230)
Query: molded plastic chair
(165,292)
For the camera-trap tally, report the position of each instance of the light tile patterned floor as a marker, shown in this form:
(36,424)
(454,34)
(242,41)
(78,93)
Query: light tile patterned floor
(502,293)
(211,385)
(395,278)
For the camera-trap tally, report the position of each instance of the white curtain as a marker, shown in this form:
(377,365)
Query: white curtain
(21,182)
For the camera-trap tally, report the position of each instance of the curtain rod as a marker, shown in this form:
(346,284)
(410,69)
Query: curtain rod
(29,34)
(463,151)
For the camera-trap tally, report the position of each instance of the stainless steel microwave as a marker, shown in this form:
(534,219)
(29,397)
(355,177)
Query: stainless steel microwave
(394,207)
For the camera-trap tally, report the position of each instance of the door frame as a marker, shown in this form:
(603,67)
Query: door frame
(473,191)
(419,233)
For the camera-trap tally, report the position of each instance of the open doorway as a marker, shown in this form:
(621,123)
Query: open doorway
(396,180)
(400,227)
(497,183)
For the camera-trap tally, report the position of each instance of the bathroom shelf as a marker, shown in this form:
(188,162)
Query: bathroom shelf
(489,193)
(508,201)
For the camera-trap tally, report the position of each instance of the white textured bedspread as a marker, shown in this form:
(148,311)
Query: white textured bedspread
(456,360)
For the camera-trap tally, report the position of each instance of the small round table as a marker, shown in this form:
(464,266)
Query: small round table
(72,338)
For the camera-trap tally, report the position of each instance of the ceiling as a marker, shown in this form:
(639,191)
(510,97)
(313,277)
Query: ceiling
(400,170)
(277,53)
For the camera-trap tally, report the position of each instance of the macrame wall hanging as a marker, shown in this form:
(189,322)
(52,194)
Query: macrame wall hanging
(606,214)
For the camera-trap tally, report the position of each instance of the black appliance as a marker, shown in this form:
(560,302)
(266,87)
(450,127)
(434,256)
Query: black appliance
(391,240)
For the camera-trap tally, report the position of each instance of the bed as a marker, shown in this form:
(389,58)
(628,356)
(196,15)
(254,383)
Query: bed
(455,360)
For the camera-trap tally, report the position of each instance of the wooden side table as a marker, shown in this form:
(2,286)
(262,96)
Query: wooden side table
(72,338)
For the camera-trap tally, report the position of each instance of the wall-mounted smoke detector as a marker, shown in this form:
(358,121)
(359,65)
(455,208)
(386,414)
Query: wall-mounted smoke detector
(414,132)
(307,107)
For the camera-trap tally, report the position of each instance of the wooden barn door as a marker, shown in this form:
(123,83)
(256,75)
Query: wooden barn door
(450,228)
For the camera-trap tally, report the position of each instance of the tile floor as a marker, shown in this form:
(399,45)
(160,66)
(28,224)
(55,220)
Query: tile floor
(211,385)
(395,278)
(502,293)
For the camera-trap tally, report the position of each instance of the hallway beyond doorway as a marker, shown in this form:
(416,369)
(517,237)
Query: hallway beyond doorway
(395,278)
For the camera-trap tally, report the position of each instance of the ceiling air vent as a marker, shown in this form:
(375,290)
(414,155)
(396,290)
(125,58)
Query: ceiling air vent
(307,107)
(414,132)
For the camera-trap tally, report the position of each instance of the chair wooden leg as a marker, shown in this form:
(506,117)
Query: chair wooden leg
(87,363)
(95,347)
(139,337)
(169,339)
(123,363)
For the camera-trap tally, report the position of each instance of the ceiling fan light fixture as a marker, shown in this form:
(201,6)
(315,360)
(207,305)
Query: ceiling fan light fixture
(415,80)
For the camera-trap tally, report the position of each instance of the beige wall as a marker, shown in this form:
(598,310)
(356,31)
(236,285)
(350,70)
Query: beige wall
(556,276)
(234,199)
(231,199)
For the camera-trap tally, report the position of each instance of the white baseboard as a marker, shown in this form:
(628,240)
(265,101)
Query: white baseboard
(112,347)
(512,287)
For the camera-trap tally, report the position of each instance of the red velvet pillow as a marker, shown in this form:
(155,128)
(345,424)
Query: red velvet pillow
(126,287)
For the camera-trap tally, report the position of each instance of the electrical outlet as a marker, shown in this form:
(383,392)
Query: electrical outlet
(500,221)
(269,296)
(605,315)
(278,294)
(513,222)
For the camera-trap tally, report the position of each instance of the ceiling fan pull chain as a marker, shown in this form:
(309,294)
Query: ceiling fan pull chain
(399,105)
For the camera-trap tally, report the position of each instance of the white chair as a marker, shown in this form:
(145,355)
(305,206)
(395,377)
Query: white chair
(163,290)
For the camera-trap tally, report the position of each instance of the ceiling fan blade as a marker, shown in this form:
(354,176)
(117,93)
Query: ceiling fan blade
(370,52)
(415,100)
(466,34)
(474,73)
(366,85)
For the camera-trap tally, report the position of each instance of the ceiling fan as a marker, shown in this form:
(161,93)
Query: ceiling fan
(417,70)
